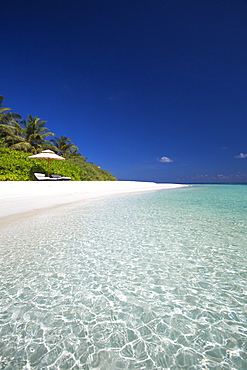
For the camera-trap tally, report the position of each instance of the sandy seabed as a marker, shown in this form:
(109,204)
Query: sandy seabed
(21,197)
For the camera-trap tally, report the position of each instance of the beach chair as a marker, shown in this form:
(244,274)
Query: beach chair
(42,177)
(60,178)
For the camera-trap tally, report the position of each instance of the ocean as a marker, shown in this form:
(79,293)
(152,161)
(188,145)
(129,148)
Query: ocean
(155,280)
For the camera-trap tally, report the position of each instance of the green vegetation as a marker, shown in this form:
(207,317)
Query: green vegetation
(20,138)
(29,135)
(90,172)
(64,146)
(16,166)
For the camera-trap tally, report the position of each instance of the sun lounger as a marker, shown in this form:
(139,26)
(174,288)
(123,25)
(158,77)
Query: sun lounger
(60,178)
(42,177)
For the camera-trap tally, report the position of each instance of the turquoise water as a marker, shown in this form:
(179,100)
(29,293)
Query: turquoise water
(142,281)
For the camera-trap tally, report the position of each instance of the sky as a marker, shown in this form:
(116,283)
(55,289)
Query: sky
(150,90)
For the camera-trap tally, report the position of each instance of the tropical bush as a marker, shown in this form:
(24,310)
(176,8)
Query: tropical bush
(16,166)
(91,172)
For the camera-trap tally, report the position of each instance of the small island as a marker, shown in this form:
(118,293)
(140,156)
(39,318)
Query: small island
(20,138)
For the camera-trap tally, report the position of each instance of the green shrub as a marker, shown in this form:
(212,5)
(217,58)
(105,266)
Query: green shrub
(90,172)
(16,166)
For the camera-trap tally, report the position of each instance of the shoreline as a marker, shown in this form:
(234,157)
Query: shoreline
(25,198)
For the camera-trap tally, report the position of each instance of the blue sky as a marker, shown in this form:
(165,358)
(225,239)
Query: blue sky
(151,90)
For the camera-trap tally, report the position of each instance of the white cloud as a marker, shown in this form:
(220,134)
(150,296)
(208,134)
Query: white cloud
(164,160)
(241,155)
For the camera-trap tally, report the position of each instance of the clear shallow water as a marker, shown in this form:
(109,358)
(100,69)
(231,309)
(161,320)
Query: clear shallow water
(143,281)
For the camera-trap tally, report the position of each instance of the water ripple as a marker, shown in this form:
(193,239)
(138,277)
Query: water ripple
(125,285)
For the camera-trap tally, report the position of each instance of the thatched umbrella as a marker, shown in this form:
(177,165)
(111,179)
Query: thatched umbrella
(48,155)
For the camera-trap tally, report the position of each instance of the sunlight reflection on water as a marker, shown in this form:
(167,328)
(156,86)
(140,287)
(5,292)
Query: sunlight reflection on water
(150,281)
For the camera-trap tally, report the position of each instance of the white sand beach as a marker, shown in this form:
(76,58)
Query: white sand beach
(21,197)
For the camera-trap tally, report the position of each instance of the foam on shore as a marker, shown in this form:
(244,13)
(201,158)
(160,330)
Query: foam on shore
(18,197)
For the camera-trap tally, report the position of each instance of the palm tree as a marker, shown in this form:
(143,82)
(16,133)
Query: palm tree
(6,114)
(11,133)
(36,133)
(30,136)
(7,119)
(75,153)
(64,145)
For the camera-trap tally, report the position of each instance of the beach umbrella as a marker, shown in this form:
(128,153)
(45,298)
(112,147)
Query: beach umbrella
(49,156)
